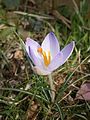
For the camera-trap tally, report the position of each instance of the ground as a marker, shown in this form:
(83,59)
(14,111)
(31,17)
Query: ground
(25,95)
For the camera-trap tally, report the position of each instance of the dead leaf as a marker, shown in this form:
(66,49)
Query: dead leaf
(58,81)
(32,111)
(84,92)
(18,55)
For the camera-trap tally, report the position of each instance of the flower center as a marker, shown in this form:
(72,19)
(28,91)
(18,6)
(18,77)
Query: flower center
(46,57)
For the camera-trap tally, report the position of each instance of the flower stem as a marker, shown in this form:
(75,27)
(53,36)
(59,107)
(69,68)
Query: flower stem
(52,88)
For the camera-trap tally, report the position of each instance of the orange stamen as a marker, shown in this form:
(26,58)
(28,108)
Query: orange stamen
(39,50)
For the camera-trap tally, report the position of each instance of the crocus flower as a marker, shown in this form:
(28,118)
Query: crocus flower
(47,57)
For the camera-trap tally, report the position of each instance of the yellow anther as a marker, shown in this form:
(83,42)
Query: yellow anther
(46,57)
(49,57)
(39,50)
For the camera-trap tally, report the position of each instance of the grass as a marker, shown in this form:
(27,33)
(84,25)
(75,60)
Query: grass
(25,95)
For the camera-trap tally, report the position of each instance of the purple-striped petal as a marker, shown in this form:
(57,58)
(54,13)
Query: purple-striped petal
(56,62)
(35,59)
(61,57)
(51,44)
(67,51)
(38,62)
(33,45)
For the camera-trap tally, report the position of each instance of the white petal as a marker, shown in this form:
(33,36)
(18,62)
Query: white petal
(67,51)
(56,62)
(41,71)
(33,45)
(51,44)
